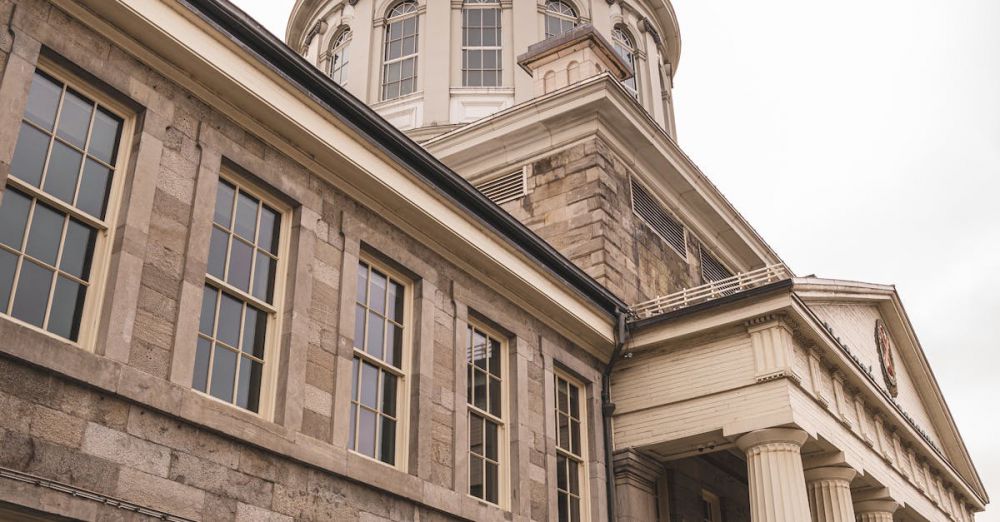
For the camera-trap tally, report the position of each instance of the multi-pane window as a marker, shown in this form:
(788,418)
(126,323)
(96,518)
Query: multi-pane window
(54,213)
(378,367)
(560,18)
(399,63)
(481,44)
(238,311)
(340,56)
(485,396)
(570,452)
(625,47)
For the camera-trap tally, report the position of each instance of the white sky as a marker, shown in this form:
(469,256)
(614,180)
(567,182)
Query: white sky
(862,140)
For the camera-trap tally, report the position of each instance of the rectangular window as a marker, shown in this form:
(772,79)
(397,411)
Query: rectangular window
(239,311)
(399,60)
(485,391)
(711,507)
(571,453)
(378,374)
(481,45)
(57,207)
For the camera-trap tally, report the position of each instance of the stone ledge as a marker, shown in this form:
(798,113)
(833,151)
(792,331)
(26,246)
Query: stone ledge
(49,353)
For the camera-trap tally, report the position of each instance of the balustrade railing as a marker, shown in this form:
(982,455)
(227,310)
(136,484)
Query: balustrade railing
(712,290)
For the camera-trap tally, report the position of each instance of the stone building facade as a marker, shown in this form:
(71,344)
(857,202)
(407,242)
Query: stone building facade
(230,290)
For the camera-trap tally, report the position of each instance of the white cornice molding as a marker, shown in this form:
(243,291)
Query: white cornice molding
(600,105)
(831,292)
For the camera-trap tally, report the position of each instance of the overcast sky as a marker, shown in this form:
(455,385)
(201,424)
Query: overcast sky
(862,139)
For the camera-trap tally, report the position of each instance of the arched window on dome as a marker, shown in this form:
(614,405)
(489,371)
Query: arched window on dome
(399,61)
(340,56)
(560,18)
(481,44)
(625,47)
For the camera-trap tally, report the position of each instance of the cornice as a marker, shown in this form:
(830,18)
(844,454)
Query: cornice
(566,115)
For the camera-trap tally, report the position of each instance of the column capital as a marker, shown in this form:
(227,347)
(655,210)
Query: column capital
(772,436)
(632,466)
(875,506)
(830,473)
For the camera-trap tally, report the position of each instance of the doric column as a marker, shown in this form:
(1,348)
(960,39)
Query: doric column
(829,491)
(774,471)
(875,510)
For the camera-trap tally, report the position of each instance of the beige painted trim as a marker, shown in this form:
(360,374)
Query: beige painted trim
(505,470)
(405,386)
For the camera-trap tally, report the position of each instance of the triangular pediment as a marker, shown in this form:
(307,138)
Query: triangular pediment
(852,312)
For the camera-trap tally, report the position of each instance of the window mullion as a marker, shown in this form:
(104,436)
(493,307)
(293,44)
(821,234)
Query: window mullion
(52,137)
(55,272)
(243,296)
(86,147)
(39,195)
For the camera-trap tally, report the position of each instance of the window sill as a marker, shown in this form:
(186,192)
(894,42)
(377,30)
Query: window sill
(483,90)
(402,100)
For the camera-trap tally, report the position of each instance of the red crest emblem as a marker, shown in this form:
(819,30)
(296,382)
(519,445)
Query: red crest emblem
(885,356)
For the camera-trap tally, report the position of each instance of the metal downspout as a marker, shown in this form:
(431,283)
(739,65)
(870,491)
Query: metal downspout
(608,409)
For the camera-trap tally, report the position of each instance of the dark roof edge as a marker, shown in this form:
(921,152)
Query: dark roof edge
(245,31)
(693,309)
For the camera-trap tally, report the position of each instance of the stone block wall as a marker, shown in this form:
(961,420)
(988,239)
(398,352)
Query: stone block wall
(579,200)
(122,420)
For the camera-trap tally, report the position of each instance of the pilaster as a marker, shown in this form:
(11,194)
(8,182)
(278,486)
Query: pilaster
(777,482)
(636,476)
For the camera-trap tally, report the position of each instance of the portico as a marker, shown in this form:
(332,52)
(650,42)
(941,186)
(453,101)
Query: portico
(813,387)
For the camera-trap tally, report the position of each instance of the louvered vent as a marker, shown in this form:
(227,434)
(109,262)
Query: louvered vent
(712,269)
(652,213)
(505,188)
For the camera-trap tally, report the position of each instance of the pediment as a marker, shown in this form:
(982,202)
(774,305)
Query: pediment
(852,311)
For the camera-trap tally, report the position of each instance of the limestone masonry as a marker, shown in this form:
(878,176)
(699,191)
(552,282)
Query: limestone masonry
(421,260)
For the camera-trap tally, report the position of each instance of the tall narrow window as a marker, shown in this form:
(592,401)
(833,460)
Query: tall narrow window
(485,394)
(570,451)
(239,310)
(54,221)
(711,508)
(560,18)
(625,47)
(378,368)
(481,44)
(399,69)
(340,56)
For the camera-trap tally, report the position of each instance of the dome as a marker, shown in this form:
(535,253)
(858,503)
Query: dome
(431,66)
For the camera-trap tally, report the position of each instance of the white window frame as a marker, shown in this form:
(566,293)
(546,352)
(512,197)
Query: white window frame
(582,458)
(482,5)
(341,45)
(386,62)
(625,45)
(563,17)
(503,432)
(715,506)
(402,372)
(101,256)
(272,342)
